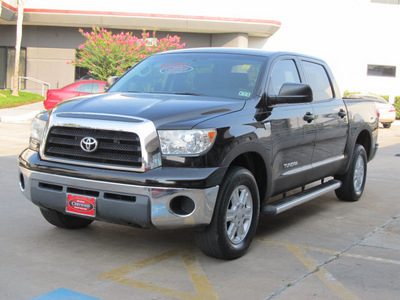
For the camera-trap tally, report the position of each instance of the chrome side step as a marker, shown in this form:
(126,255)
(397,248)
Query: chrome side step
(286,203)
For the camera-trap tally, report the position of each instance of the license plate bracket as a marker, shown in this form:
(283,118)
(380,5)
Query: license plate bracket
(81,205)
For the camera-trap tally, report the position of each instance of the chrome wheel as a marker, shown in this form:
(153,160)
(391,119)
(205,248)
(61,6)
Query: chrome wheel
(359,171)
(235,216)
(239,214)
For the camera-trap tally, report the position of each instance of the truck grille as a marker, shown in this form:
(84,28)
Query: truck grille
(114,147)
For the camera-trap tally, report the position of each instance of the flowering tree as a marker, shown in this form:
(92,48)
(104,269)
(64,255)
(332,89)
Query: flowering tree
(105,54)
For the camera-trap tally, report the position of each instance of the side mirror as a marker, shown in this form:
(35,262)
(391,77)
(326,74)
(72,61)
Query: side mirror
(292,93)
(111,81)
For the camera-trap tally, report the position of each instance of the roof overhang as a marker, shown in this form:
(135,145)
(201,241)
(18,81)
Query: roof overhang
(139,21)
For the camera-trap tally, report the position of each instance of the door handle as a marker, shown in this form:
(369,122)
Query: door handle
(341,113)
(308,117)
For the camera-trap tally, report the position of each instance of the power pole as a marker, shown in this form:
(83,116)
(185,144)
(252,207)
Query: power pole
(20,17)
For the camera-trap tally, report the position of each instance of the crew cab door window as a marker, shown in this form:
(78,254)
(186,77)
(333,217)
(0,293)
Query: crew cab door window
(318,80)
(284,71)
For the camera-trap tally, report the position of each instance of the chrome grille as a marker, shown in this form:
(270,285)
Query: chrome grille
(114,147)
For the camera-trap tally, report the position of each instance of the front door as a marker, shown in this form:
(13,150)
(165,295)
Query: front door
(293,133)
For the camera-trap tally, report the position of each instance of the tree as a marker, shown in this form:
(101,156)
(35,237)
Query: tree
(20,17)
(105,54)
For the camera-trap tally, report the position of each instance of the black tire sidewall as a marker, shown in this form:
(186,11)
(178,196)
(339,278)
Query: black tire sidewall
(359,151)
(347,191)
(237,177)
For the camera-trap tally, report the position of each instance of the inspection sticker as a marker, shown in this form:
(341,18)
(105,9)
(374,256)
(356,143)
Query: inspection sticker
(81,205)
(244,94)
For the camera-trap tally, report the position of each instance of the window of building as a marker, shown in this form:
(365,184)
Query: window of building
(386,1)
(7,60)
(380,70)
(318,80)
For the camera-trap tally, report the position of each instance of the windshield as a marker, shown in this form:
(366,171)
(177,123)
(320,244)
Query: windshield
(209,74)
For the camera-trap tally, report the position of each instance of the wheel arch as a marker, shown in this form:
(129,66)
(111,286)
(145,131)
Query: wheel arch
(252,157)
(364,139)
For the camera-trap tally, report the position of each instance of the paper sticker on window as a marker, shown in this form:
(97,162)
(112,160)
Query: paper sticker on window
(244,94)
(175,68)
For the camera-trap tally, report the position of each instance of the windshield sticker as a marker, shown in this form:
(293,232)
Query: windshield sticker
(244,94)
(175,68)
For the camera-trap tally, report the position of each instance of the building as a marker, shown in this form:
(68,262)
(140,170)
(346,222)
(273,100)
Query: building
(358,38)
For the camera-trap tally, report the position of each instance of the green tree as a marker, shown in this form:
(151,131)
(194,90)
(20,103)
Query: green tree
(105,54)
(397,106)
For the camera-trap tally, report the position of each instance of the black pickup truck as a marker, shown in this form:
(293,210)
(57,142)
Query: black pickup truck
(202,138)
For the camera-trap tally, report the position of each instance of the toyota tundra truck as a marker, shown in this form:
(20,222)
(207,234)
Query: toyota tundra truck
(203,138)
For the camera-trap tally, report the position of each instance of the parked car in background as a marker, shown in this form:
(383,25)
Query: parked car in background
(75,89)
(386,111)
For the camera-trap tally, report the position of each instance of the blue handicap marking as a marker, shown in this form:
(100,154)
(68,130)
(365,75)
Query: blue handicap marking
(65,294)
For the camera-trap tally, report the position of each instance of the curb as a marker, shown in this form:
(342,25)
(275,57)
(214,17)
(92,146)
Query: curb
(21,113)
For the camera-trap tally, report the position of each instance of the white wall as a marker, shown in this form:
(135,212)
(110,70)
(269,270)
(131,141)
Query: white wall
(348,34)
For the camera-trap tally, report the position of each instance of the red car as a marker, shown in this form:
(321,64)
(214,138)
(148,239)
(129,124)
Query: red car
(75,89)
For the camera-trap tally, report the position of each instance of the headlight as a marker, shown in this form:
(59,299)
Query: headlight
(38,126)
(186,142)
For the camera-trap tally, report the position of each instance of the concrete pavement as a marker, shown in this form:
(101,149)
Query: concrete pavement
(325,249)
(23,113)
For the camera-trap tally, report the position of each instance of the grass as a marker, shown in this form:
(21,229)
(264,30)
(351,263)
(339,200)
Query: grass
(8,101)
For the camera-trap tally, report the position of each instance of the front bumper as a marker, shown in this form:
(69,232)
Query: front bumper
(121,203)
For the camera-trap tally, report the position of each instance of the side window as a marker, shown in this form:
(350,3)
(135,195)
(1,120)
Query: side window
(85,88)
(318,80)
(95,88)
(284,71)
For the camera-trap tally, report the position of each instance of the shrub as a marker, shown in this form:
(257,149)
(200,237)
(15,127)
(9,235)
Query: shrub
(105,54)
(397,106)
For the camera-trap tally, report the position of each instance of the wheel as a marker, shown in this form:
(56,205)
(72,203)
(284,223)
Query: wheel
(353,181)
(235,217)
(386,125)
(64,221)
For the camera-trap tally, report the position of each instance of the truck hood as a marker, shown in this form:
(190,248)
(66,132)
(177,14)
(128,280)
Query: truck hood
(167,111)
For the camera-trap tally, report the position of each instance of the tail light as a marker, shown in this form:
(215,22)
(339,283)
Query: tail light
(377,112)
(392,109)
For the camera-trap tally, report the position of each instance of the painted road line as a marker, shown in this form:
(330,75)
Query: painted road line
(204,289)
(327,278)
(332,252)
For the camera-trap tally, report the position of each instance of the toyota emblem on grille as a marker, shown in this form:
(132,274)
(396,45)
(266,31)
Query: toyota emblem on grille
(89,144)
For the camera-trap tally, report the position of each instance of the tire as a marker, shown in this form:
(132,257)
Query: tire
(353,181)
(387,125)
(235,217)
(64,221)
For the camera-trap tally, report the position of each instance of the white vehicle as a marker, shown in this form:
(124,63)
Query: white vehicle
(386,111)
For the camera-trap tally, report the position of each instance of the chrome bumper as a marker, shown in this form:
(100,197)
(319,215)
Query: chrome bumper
(133,205)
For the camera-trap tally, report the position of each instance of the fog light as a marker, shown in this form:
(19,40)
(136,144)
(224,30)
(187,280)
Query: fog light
(182,205)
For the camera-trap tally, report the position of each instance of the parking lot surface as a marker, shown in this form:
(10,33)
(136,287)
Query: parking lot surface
(324,249)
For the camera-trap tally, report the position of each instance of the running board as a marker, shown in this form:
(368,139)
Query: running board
(286,203)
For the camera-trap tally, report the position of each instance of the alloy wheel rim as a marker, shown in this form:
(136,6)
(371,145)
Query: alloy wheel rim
(239,214)
(358,178)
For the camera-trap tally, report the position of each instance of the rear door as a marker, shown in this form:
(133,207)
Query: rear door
(331,122)
(293,133)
